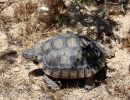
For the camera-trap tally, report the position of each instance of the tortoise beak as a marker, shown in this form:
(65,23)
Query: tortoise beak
(29,54)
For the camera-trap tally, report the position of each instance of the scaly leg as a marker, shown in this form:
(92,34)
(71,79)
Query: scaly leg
(50,83)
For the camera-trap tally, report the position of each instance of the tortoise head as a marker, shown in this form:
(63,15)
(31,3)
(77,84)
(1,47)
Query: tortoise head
(29,54)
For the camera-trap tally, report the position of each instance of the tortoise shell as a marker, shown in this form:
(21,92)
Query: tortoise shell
(71,56)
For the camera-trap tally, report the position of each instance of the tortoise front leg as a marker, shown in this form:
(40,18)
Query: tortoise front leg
(89,83)
(50,83)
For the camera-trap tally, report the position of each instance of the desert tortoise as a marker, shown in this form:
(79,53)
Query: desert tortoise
(69,56)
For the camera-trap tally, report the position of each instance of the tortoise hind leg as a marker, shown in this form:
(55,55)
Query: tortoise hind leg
(101,75)
(89,83)
(50,83)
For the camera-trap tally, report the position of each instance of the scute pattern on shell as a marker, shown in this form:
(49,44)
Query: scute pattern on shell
(71,56)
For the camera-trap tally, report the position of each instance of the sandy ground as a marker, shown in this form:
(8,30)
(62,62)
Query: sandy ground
(16,83)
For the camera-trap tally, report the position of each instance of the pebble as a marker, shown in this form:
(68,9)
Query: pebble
(44,9)
(20,87)
(27,66)
(16,69)
(6,75)
(8,13)
(35,87)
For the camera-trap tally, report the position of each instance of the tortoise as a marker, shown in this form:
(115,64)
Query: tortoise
(69,56)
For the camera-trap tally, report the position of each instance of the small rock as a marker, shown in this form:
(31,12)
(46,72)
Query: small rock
(8,13)
(43,9)
(27,66)
(16,69)
(20,87)
(92,27)
(35,87)
(68,2)
(6,75)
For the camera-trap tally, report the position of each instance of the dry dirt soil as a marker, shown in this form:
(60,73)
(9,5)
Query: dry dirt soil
(20,29)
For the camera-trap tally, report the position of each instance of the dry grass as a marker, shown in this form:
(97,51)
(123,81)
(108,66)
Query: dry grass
(55,5)
(24,9)
(6,86)
(126,43)
(52,17)
(37,22)
(117,87)
(34,23)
